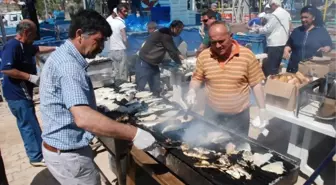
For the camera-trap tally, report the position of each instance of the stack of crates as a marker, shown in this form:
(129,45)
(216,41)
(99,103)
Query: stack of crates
(255,42)
(191,18)
(178,11)
(164,2)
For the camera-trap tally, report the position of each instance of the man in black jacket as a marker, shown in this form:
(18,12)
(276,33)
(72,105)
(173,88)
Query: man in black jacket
(152,54)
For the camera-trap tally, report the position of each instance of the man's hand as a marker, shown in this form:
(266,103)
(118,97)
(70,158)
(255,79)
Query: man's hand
(286,54)
(143,139)
(325,49)
(191,97)
(261,122)
(263,118)
(34,79)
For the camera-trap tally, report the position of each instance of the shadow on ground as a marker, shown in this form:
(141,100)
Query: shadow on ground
(44,177)
(320,146)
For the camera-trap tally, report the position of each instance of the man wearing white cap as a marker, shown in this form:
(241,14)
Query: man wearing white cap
(266,11)
(277,33)
(214,8)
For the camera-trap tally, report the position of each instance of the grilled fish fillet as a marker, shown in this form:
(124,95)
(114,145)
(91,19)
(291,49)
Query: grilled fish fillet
(204,164)
(276,167)
(185,147)
(193,154)
(260,159)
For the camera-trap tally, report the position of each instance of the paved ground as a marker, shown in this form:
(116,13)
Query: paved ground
(18,169)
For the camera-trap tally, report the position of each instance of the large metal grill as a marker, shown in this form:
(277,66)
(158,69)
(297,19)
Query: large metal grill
(183,166)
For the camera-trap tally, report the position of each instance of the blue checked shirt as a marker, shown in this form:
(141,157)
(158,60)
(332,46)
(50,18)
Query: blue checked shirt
(64,84)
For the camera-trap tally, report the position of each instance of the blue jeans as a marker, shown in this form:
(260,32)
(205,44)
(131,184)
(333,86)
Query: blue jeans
(29,128)
(145,72)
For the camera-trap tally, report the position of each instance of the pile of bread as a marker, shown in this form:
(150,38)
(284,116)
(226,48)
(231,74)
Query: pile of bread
(296,79)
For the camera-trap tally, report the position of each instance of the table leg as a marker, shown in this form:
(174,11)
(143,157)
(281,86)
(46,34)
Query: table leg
(131,169)
(293,149)
(307,170)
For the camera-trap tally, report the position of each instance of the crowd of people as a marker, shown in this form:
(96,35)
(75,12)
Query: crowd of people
(67,101)
(295,45)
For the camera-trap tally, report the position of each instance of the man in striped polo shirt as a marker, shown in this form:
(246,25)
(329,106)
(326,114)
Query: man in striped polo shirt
(229,71)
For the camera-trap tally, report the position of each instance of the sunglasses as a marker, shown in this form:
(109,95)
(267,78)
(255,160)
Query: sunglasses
(205,20)
(214,42)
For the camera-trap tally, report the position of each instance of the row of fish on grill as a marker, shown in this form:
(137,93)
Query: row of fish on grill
(150,110)
(237,161)
(127,100)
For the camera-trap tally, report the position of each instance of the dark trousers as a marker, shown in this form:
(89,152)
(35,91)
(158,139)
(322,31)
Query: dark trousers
(271,65)
(239,123)
(145,72)
(29,128)
(3,178)
(293,66)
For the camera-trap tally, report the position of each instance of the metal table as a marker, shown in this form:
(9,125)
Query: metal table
(307,121)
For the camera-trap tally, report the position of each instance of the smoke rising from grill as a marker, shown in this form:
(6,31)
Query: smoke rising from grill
(200,134)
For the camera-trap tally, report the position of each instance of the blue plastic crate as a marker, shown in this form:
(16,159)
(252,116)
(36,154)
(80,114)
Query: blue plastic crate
(52,42)
(255,42)
(160,14)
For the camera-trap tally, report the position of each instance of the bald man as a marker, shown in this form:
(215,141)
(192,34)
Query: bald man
(228,71)
(19,69)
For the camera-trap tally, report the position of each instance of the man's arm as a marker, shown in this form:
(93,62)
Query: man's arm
(95,122)
(255,77)
(124,36)
(9,61)
(169,45)
(195,84)
(45,49)
(269,27)
(73,87)
(14,73)
(259,94)
(200,49)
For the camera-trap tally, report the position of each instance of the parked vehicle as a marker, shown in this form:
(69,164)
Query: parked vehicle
(11,19)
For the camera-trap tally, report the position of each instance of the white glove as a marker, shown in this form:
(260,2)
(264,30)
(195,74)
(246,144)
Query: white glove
(191,97)
(263,118)
(34,79)
(143,139)
(261,122)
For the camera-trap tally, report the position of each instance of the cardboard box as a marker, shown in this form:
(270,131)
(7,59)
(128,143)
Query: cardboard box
(281,94)
(317,69)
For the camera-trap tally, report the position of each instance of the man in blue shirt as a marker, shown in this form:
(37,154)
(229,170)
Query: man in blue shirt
(19,79)
(68,105)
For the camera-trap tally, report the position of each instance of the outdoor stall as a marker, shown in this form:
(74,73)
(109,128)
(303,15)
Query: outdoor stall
(188,148)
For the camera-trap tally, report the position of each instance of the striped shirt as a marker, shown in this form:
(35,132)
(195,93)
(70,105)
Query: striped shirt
(228,83)
(64,84)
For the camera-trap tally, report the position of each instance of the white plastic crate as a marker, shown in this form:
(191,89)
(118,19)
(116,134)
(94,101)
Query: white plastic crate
(178,11)
(174,2)
(181,6)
